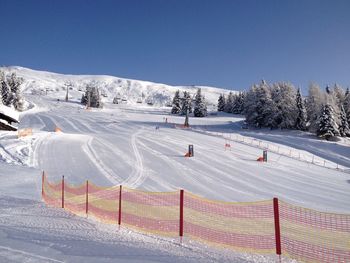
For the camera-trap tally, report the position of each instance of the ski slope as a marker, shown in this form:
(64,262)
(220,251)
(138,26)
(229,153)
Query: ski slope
(120,145)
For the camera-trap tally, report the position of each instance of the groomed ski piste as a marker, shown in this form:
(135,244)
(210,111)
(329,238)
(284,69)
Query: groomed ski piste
(120,144)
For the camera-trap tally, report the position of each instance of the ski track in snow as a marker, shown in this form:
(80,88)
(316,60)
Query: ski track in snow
(139,175)
(178,166)
(23,256)
(101,166)
(241,178)
(212,172)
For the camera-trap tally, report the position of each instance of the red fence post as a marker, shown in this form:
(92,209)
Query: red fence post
(120,206)
(62,191)
(87,197)
(277,226)
(181,229)
(42,184)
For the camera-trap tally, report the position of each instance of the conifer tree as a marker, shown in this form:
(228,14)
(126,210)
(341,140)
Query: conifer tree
(10,90)
(328,127)
(221,102)
(1,102)
(176,103)
(339,95)
(186,103)
(335,98)
(2,77)
(347,105)
(95,98)
(19,102)
(283,107)
(235,104)
(314,105)
(200,107)
(240,102)
(344,129)
(85,96)
(14,83)
(6,93)
(301,120)
(229,103)
(265,104)
(92,98)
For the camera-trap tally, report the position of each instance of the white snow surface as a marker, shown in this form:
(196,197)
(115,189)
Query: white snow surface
(42,82)
(120,145)
(8,111)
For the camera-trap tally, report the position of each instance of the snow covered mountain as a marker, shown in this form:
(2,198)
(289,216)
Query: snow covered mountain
(144,148)
(133,91)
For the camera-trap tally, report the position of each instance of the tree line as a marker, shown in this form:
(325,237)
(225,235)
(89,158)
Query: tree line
(281,106)
(185,103)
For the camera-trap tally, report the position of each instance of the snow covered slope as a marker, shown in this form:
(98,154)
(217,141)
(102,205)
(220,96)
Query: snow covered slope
(133,90)
(120,145)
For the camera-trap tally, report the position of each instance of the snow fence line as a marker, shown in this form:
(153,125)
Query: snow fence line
(284,151)
(262,227)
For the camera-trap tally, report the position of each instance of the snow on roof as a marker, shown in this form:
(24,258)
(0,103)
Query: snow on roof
(8,114)
(6,126)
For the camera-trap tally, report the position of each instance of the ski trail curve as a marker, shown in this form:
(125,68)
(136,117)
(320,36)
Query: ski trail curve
(138,176)
(93,156)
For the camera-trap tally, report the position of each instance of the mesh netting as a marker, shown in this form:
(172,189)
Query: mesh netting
(306,235)
(52,193)
(151,212)
(104,203)
(313,236)
(241,226)
(75,198)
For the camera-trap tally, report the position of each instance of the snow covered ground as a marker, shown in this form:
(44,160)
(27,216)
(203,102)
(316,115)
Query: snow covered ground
(120,145)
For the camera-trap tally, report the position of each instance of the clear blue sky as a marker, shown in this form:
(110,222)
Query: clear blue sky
(230,44)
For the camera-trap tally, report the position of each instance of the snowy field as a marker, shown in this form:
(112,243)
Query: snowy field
(120,145)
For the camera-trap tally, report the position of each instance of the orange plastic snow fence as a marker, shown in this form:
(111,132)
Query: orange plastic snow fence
(264,227)
(25,132)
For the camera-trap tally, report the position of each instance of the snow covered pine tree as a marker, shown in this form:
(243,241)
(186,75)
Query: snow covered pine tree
(91,98)
(14,83)
(347,104)
(10,90)
(240,102)
(300,123)
(6,93)
(221,102)
(176,103)
(229,103)
(344,129)
(200,107)
(186,103)
(327,128)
